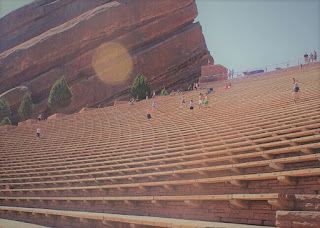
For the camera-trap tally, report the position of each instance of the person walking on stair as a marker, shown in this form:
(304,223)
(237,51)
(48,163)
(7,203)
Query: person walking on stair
(200,100)
(311,57)
(149,113)
(306,58)
(153,106)
(206,101)
(183,101)
(296,92)
(38,132)
(191,107)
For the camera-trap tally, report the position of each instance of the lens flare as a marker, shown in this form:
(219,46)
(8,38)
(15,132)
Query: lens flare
(112,63)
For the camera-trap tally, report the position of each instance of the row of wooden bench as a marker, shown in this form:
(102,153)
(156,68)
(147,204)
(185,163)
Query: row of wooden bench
(266,137)
(287,177)
(174,144)
(204,166)
(111,220)
(248,141)
(253,123)
(281,201)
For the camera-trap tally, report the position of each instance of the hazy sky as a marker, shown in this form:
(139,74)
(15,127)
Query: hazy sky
(245,34)
(7,6)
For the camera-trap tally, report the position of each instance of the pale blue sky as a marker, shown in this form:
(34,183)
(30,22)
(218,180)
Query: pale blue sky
(245,34)
(242,34)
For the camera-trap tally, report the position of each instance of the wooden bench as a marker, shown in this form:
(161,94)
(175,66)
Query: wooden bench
(277,164)
(113,219)
(272,144)
(287,177)
(281,201)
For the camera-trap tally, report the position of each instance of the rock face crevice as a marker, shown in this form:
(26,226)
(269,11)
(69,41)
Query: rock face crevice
(37,17)
(160,36)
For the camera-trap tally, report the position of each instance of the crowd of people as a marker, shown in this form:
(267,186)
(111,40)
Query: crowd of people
(310,58)
(133,100)
(203,101)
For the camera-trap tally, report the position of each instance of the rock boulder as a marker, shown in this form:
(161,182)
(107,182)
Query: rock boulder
(160,39)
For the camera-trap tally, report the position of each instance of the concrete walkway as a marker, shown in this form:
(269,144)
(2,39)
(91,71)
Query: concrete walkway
(5,223)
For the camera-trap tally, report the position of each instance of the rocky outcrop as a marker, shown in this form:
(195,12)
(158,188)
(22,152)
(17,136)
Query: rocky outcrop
(213,73)
(35,18)
(160,38)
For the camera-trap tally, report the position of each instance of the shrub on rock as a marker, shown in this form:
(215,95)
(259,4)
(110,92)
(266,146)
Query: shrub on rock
(164,92)
(60,94)
(5,110)
(26,107)
(5,121)
(140,87)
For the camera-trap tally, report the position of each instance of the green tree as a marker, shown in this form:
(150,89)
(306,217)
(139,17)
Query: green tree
(5,110)
(60,94)
(140,87)
(5,121)
(164,92)
(26,107)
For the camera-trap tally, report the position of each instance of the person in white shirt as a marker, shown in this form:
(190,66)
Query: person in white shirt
(38,132)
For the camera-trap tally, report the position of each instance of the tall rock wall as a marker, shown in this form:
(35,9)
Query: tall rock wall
(35,18)
(80,39)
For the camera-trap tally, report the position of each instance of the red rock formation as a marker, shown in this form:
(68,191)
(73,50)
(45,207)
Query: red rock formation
(212,70)
(212,73)
(160,37)
(35,18)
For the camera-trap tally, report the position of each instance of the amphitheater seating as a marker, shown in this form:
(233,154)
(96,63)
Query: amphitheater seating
(239,200)
(241,160)
(109,220)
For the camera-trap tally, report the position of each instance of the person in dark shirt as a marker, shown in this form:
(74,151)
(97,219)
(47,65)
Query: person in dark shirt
(149,113)
(305,57)
(191,107)
(296,92)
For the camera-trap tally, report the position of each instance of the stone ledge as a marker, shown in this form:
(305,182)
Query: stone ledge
(56,116)
(27,122)
(295,219)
